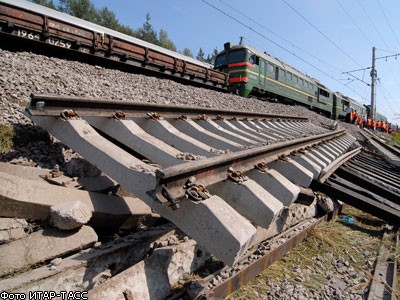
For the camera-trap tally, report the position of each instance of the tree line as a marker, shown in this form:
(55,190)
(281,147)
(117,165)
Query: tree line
(86,10)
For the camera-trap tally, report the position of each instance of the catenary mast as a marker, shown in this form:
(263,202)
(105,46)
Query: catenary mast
(373,80)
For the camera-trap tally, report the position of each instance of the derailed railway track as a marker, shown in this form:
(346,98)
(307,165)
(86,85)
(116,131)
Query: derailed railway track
(369,181)
(243,179)
(223,177)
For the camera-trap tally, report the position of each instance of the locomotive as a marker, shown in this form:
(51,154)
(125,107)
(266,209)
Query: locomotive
(254,73)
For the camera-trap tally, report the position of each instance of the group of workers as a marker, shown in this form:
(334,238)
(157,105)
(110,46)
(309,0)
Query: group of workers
(353,117)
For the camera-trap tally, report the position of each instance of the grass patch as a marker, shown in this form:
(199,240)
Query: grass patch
(312,259)
(397,257)
(7,135)
(395,138)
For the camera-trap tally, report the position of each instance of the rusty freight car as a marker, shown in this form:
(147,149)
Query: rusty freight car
(20,19)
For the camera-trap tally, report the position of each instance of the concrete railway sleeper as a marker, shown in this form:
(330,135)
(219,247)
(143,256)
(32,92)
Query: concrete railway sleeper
(223,177)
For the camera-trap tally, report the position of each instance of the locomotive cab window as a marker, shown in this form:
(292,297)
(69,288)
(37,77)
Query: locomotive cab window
(254,59)
(237,56)
(221,60)
(230,58)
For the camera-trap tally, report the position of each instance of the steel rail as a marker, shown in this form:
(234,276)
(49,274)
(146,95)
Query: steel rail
(328,170)
(382,143)
(360,198)
(373,188)
(361,179)
(383,284)
(210,171)
(49,105)
(391,154)
(214,169)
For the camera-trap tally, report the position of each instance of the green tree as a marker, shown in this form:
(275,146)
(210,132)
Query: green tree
(125,29)
(211,57)
(200,55)
(82,9)
(147,32)
(164,40)
(107,18)
(187,52)
(48,3)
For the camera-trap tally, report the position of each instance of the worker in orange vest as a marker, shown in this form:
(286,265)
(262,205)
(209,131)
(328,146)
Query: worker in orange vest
(379,125)
(352,116)
(369,123)
(355,117)
(360,122)
(373,125)
(385,127)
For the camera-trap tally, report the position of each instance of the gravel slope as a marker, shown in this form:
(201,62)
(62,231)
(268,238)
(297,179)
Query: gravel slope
(25,73)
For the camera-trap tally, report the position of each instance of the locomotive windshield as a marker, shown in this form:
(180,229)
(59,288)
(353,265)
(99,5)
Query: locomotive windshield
(230,58)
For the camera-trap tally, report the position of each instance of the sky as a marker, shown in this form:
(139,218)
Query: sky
(322,38)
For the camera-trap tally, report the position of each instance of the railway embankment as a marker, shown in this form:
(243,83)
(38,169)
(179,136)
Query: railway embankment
(24,73)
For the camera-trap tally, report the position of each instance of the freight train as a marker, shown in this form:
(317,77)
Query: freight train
(240,69)
(45,28)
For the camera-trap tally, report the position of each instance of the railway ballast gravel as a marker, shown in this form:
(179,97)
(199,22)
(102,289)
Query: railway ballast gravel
(24,73)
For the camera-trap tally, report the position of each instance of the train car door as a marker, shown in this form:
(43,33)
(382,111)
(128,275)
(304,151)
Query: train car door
(334,107)
(262,74)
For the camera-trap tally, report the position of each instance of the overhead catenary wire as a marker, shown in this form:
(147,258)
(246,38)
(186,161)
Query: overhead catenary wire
(281,37)
(388,22)
(385,94)
(369,40)
(373,24)
(278,45)
(355,24)
(323,34)
(395,36)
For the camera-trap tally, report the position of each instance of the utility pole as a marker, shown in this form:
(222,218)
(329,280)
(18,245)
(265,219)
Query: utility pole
(373,80)
(374,74)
